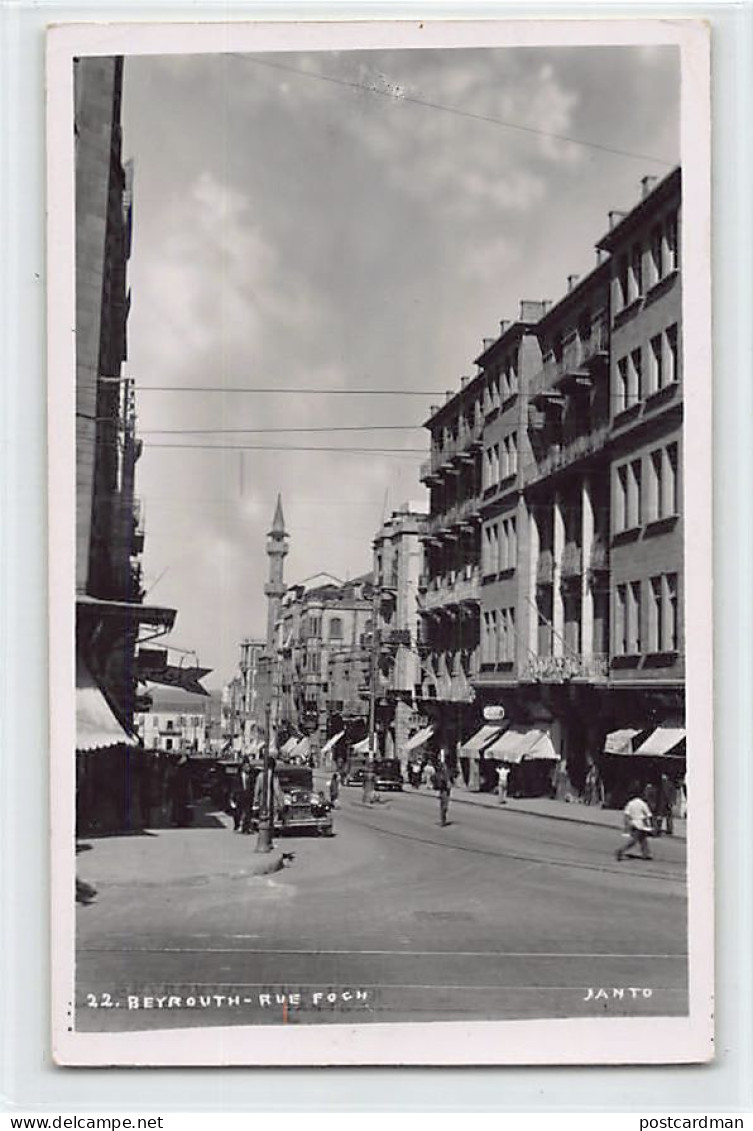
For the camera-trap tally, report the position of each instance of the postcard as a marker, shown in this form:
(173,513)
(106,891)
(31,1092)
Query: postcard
(380,542)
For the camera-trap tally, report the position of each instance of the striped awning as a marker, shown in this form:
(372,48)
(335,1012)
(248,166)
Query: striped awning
(523,744)
(420,738)
(97,728)
(361,747)
(332,742)
(621,741)
(665,741)
(480,740)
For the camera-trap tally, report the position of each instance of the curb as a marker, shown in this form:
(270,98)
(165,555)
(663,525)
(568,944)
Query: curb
(544,816)
(264,866)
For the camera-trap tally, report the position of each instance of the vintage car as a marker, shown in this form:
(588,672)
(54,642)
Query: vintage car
(303,807)
(355,770)
(388,774)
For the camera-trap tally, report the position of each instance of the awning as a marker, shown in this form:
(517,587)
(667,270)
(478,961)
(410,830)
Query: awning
(131,610)
(523,744)
(289,746)
(662,742)
(420,738)
(361,747)
(96,725)
(331,743)
(302,749)
(481,739)
(621,741)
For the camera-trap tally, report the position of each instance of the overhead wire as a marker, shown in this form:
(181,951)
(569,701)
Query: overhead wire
(455,110)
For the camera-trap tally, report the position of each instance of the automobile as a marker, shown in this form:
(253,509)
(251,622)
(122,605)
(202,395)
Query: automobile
(304,807)
(388,774)
(355,771)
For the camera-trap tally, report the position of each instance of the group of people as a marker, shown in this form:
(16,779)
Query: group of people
(252,792)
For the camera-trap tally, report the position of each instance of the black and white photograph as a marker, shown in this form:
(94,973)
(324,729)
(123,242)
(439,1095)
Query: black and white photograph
(380,551)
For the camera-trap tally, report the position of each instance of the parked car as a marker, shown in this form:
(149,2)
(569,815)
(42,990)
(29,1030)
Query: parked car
(304,807)
(355,770)
(388,774)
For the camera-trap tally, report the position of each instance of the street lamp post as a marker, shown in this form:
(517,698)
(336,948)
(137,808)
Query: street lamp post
(264,835)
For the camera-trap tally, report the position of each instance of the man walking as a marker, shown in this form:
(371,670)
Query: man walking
(443,783)
(244,797)
(639,824)
(503,775)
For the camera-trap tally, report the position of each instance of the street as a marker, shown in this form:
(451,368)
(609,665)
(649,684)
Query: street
(499,915)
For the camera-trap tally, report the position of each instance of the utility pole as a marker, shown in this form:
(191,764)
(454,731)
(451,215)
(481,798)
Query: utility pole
(264,836)
(369,775)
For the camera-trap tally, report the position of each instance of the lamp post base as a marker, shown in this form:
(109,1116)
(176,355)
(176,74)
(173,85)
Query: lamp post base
(264,838)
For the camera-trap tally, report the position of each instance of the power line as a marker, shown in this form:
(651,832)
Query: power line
(488,119)
(408,452)
(313,392)
(266,431)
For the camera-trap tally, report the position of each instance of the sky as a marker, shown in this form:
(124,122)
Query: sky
(344,221)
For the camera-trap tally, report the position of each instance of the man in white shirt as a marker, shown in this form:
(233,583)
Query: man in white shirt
(503,775)
(639,824)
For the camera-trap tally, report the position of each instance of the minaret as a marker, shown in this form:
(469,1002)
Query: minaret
(277,548)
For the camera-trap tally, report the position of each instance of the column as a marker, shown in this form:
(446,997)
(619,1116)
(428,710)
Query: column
(586,592)
(558,605)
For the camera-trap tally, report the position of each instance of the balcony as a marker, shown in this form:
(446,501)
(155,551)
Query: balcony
(564,455)
(599,558)
(571,566)
(457,516)
(560,669)
(581,357)
(458,588)
(545,568)
(542,390)
(455,451)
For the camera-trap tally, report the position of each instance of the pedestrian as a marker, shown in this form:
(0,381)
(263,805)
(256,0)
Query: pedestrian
(428,774)
(443,783)
(334,790)
(503,774)
(243,798)
(667,798)
(181,794)
(639,825)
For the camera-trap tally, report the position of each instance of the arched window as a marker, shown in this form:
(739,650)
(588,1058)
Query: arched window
(336,628)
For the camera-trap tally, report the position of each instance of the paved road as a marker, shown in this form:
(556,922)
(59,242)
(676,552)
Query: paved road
(499,915)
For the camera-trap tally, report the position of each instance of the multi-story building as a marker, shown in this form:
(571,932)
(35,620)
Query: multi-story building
(647,646)
(324,655)
(478,445)
(555,535)
(178,731)
(253,676)
(398,567)
(110,607)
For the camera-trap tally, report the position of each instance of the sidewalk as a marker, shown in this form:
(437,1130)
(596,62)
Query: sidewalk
(160,857)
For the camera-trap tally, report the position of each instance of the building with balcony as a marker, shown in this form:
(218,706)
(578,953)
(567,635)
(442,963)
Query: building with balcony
(398,568)
(647,637)
(323,635)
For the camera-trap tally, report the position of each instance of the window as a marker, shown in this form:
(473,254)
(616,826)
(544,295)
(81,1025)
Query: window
(621,392)
(508,544)
(509,461)
(636,272)
(634,495)
(661,494)
(168,744)
(656,365)
(336,628)
(507,643)
(169,725)
(657,254)
(635,370)
(671,244)
(620,500)
(662,613)
(627,638)
(672,369)
(623,283)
